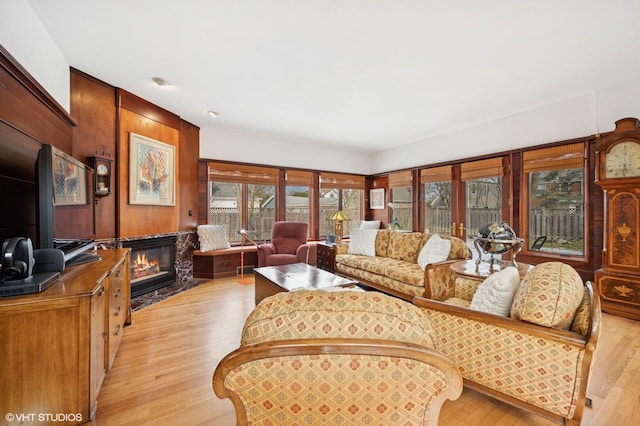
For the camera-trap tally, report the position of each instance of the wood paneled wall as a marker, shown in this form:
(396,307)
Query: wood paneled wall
(29,117)
(28,107)
(135,115)
(106,115)
(93,106)
(187,185)
(377,214)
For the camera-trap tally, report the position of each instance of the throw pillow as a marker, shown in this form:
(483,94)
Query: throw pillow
(495,294)
(404,246)
(363,241)
(212,237)
(370,224)
(549,295)
(436,249)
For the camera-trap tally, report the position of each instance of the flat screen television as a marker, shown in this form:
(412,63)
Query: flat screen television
(46,194)
(66,217)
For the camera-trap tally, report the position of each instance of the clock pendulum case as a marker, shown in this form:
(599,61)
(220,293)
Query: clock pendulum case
(102,168)
(618,173)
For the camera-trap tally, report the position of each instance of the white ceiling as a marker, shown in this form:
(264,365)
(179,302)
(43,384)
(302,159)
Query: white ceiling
(364,74)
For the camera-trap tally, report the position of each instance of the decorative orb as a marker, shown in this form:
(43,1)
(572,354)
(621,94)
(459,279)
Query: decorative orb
(499,238)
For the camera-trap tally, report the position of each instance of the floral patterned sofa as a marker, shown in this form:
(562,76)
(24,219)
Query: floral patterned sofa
(342,357)
(399,263)
(538,357)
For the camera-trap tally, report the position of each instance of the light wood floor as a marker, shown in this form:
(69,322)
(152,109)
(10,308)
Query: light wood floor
(162,372)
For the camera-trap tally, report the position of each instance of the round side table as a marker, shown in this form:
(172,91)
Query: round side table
(471,269)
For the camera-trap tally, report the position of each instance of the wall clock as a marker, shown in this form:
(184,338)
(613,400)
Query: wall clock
(618,165)
(102,167)
(623,160)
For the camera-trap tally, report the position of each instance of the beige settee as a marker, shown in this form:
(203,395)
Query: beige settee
(343,357)
(389,261)
(540,356)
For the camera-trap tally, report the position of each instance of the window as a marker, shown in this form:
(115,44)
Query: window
(297,195)
(261,210)
(437,199)
(555,200)
(225,207)
(483,194)
(352,204)
(340,192)
(401,212)
(243,197)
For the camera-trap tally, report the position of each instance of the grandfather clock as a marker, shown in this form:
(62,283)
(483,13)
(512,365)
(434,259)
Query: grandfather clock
(618,173)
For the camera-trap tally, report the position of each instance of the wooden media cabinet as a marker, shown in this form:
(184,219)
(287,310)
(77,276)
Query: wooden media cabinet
(59,344)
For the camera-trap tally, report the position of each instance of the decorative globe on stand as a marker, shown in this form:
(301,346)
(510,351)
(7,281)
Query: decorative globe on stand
(497,239)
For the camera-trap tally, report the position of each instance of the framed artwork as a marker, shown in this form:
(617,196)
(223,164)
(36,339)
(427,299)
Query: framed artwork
(69,181)
(151,172)
(376,198)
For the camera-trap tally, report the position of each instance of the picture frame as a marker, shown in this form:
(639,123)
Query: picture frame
(331,239)
(376,199)
(151,172)
(69,181)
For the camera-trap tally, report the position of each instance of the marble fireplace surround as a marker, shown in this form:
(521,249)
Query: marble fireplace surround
(185,244)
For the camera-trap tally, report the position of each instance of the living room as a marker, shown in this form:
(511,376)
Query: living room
(104,113)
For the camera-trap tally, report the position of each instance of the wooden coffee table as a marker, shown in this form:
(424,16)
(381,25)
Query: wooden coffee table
(276,279)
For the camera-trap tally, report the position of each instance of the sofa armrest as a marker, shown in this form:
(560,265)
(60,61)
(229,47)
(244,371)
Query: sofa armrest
(438,280)
(265,250)
(300,374)
(302,253)
(342,248)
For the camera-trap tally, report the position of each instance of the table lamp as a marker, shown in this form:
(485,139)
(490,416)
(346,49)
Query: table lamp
(339,217)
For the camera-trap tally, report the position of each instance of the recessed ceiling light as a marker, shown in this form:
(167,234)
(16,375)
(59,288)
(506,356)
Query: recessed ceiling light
(160,81)
(213,114)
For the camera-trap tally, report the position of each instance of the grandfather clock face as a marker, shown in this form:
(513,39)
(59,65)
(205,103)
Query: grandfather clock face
(623,160)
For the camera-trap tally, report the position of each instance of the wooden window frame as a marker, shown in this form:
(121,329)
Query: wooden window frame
(573,155)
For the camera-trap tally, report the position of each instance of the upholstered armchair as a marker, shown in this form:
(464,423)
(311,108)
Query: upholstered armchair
(288,245)
(342,357)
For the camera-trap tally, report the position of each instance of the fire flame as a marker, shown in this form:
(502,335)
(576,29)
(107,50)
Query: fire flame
(143,261)
(142,265)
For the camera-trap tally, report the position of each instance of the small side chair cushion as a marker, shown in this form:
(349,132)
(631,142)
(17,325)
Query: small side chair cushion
(436,249)
(212,237)
(495,294)
(363,242)
(549,295)
(370,224)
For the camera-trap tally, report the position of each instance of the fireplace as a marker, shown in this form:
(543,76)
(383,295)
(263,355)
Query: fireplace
(152,264)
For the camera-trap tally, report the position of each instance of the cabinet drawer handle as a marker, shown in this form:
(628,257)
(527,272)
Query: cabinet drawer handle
(117,294)
(226,263)
(101,291)
(115,333)
(117,312)
(118,273)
